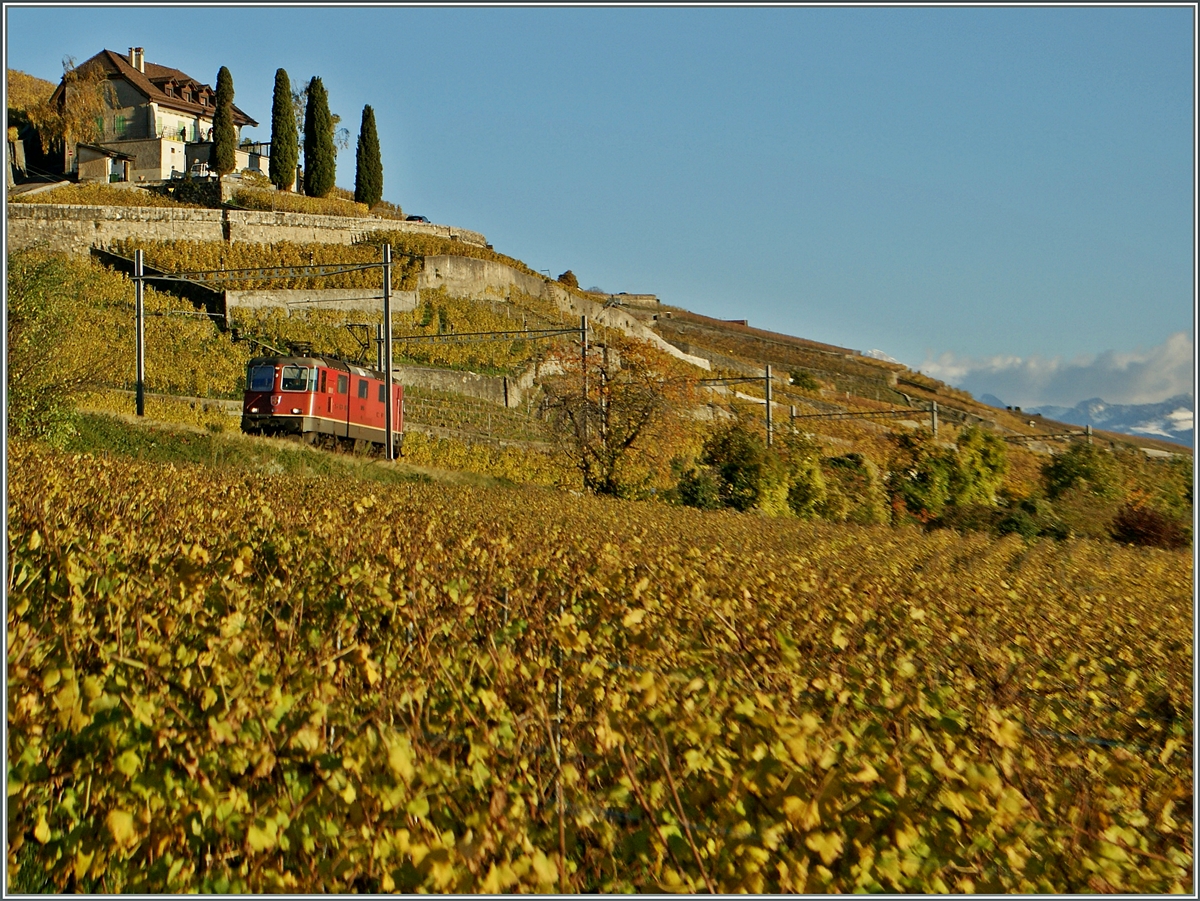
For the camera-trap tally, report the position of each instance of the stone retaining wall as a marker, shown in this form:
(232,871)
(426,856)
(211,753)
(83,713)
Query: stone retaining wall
(469,277)
(366,299)
(76,229)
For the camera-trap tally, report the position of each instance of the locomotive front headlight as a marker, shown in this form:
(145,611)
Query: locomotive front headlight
(295,409)
(254,409)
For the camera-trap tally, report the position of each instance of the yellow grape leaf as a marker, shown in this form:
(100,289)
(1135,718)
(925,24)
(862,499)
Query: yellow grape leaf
(262,839)
(1169,748)
(956,803)
(826,844)
(633,617)
(867,774)
(371,671)
(418,807)
(42,830)
(93,687)
(82,862)
(128,764)
(120,827)
(1006,733)
(307,738)
(806,815)
(544,868)
(798,748)
(400,757)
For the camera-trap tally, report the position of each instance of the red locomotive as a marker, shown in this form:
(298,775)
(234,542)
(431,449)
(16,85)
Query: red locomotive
(323,400)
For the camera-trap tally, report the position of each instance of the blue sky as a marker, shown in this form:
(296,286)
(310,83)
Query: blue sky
(1002,197)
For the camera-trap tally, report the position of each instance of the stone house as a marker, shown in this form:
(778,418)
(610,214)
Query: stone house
(159,124)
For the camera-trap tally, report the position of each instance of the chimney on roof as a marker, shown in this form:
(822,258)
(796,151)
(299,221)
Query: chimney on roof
(137,59)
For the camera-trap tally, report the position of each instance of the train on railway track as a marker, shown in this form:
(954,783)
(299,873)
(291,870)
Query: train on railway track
(321,400)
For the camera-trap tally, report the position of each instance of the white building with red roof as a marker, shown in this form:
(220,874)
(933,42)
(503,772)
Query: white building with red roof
(159,124)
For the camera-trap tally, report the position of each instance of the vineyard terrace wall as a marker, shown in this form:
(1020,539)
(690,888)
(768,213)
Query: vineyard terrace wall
(76,229)
(470,277)
(467,277)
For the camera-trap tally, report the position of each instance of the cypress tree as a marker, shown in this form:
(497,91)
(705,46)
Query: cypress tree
(224,158)
(320,160)
(285,141)
(368,173)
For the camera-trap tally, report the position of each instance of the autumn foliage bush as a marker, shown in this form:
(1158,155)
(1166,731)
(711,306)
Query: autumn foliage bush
(1145,526)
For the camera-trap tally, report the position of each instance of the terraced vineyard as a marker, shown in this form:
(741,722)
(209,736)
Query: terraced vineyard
(235,682)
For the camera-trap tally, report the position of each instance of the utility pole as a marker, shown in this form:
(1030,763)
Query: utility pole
(583,343)
(933,417)
(767,380)
(389,414)
(140,316)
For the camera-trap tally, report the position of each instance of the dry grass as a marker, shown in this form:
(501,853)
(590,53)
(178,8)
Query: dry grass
(105,195)
(287,202)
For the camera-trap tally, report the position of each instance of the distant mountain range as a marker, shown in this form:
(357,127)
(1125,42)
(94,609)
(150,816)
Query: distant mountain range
(1171,419)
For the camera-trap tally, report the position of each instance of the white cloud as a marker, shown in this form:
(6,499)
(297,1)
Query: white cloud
(1135,377)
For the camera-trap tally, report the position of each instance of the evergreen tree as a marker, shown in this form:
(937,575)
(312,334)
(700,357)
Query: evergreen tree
(224,157)
(368,173)
(285,140)
(320,159)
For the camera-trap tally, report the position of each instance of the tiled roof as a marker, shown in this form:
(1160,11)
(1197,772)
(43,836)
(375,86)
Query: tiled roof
(151,84)
(114,154)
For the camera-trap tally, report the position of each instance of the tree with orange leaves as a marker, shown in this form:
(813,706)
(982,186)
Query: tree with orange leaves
(622,430)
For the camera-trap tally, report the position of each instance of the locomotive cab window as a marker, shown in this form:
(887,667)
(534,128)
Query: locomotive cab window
(343,384)
(363,387)
(322,387)
(294,378)
(382,392)
(262,378)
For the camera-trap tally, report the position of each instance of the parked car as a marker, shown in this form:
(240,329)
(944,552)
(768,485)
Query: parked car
(415,219)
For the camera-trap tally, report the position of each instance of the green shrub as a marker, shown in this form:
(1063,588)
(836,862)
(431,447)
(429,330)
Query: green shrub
(920,474)
(807,491)
(697,487)
(854,490)
(738,458)
(194,192)
(1086,464)
(981,460)
(804,381)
